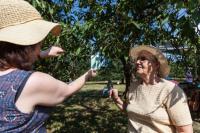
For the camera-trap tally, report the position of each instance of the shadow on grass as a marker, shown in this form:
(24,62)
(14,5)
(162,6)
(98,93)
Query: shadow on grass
(87,112)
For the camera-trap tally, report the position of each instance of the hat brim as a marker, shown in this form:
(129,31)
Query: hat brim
(29,33)
(164,67)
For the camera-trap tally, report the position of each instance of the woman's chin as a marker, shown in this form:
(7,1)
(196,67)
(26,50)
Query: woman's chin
(139,73)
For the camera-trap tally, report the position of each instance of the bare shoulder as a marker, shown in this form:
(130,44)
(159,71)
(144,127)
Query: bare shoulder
(39,80)
(37,76)
(36,91)
(40,77)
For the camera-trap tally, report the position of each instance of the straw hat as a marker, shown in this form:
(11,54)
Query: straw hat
(22,24)
(164,67)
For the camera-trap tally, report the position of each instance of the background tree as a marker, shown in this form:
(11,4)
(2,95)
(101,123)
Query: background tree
(76,59)
(116,26)
(112,27)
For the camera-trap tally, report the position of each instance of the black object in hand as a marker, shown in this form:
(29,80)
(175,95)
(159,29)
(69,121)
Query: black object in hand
(106,90)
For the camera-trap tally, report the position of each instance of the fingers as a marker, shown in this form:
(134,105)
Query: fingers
(55,51)
(113,93)
(91,73)
(60,50)
(94,72)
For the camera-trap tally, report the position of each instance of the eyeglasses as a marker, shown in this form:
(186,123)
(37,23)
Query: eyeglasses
(141,58)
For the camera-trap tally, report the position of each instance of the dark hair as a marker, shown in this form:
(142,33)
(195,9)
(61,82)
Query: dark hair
(17,56)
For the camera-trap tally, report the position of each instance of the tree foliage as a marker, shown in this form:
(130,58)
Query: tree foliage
(116,26)
(77,52)
(112,27)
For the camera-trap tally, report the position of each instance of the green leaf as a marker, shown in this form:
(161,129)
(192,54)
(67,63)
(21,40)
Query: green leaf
(78,51)
(165,20)
(137,25)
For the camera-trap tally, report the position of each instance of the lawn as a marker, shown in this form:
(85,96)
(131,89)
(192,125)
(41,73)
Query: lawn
(88,112)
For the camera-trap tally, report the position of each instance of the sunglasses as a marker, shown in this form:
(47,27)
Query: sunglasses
(142,58)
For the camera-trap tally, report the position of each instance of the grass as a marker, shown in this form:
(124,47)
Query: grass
(88,112)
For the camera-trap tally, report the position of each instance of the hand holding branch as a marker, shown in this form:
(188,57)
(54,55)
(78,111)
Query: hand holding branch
(53,51)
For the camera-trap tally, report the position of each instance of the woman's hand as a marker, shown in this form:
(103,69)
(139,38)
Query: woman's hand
(91,73)
(120,104)
(53,51)
(185,129)
(114,94)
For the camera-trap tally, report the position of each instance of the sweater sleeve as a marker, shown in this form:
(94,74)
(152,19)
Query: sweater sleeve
(177,107)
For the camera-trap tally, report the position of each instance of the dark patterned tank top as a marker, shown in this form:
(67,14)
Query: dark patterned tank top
(13,120)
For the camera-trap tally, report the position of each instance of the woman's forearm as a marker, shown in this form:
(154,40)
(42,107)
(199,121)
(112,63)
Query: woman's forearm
(79,82)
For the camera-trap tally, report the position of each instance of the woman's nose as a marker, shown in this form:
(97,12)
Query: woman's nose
(137,61)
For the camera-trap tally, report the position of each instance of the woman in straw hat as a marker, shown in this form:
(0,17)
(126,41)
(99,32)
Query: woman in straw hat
(152,103)
(25,95)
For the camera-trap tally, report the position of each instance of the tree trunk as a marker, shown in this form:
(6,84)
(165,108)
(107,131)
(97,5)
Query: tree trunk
(127,73)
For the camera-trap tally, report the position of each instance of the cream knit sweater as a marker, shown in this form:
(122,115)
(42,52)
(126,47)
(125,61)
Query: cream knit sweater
(156,108)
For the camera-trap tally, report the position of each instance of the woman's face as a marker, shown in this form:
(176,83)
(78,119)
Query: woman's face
(145,65)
